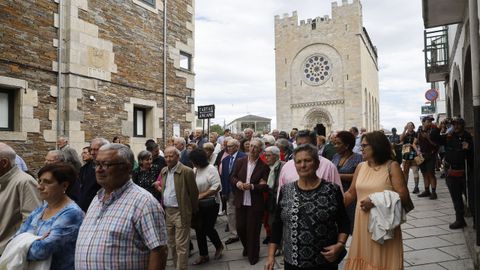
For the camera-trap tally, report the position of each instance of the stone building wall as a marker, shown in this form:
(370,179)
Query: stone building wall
(337,100)
(112,61)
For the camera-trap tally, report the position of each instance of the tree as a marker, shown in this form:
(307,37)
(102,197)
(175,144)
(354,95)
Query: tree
(216,128)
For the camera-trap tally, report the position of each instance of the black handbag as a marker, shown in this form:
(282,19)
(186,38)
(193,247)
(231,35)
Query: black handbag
(341,256)
(207,202)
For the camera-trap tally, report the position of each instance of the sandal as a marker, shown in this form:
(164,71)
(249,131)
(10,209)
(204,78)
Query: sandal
(201,260)
(218,253)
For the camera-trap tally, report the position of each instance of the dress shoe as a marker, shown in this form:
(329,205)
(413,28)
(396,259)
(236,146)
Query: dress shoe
(218,253)
(458,224)
(426,193)
(433,196)
(415,190)
(253,261)
(266,241)
(232,240)
(201,260)
(244,253)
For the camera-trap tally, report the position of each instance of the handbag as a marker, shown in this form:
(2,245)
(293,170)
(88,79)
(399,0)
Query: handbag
(207,202)
(408,206)
(341,256)
(419,160)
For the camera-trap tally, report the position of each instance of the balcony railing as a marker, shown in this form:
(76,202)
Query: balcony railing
(436,54)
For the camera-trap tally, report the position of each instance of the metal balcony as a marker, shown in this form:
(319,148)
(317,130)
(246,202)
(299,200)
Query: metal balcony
(442,12)
(436,54)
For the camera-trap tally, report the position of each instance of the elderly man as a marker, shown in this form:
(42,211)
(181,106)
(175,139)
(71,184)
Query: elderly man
(249,179)
(87,177)
(198,138)
(125,226)
(54,156)
(248,133)
(181,144)
(326,170)
(18,195)
(227,166)
(71,156)
(276,134)
(180,197)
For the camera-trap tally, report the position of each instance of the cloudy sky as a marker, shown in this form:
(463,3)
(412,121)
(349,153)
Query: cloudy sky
(235,61)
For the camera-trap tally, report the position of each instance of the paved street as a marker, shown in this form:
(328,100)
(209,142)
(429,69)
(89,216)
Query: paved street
(428,242)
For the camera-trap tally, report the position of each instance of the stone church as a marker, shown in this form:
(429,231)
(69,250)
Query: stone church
(326,71)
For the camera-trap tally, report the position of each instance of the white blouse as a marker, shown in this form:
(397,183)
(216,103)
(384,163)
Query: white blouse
(208,178)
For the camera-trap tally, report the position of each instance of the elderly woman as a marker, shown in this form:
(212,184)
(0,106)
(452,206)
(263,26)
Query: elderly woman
(249,179)
(377,174)
(310,217)
(346,162)
(272,157)
(57,221)
(245,145)
(209,186)
(146,174)
(210,151)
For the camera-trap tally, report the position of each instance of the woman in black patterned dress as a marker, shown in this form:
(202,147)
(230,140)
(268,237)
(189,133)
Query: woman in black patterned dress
(147,173)
(310,217)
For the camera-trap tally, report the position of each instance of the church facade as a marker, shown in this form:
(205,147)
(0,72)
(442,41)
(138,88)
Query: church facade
(326,71)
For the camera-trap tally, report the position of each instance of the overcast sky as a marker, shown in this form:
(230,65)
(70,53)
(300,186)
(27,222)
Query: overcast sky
(235,60)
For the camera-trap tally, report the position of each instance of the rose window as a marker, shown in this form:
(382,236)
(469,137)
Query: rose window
(317,69)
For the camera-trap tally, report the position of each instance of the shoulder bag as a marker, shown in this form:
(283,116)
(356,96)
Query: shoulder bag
(408,206)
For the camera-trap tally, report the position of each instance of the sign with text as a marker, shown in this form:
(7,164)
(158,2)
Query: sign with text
(206,112)
(429,109)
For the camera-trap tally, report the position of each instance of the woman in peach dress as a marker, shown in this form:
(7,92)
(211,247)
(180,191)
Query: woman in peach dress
(377,173)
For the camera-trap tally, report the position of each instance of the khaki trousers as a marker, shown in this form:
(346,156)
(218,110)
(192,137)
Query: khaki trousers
(178,238)
(232,221)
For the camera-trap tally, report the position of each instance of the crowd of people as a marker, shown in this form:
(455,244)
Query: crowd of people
(308,191)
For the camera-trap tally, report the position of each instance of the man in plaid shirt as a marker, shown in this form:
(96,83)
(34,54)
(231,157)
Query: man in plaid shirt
(124,227)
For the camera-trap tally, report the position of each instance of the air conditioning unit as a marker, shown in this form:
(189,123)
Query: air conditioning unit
(190,100)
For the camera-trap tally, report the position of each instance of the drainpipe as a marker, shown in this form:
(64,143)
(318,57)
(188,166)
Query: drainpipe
(59,75)
(473,18)
(165,73)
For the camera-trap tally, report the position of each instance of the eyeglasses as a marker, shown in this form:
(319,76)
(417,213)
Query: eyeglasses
(364,145)
(106,165)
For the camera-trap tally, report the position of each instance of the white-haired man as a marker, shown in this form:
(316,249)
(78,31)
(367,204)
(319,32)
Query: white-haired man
(18,195)
(71,155)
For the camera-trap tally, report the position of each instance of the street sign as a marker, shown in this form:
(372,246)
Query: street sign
(206,112)
(431,94)
(429,109)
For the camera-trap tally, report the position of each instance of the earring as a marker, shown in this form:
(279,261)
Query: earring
(64,191)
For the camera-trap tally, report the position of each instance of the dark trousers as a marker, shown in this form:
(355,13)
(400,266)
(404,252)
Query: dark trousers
(249,224)
(206,227)
(456,187)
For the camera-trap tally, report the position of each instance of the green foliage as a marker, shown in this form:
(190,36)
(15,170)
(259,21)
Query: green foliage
(216,128)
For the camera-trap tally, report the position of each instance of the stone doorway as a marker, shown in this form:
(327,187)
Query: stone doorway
(318,116)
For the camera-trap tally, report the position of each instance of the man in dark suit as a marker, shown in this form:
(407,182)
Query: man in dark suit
(250,182)
(228,164)
(87,177)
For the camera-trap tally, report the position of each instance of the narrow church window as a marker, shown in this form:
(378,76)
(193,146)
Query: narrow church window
(185,61)
(314,24)
(139,121)
(346,27)
(7,110)
(285,83)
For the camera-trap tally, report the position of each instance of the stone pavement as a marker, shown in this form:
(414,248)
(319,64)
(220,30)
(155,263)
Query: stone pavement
(428,242)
